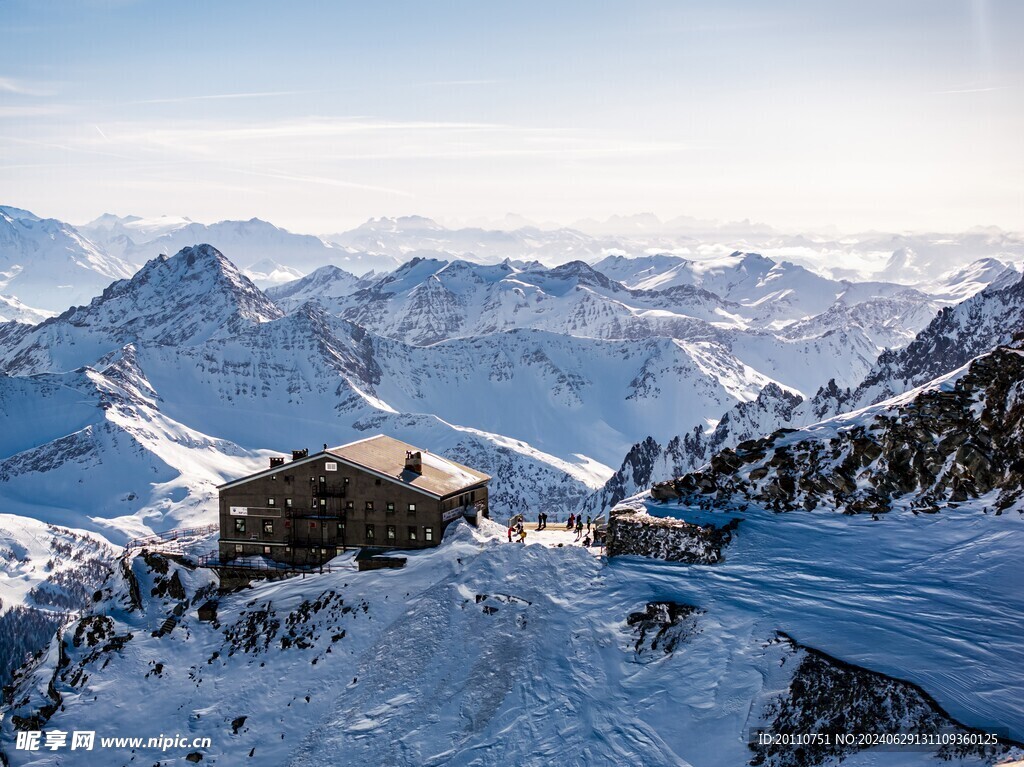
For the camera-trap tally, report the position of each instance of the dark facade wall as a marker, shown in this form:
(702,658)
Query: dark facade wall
(302,533)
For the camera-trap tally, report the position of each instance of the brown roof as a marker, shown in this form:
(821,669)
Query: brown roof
(386,456)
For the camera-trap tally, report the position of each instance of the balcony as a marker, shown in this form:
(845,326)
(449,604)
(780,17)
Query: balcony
(328,489)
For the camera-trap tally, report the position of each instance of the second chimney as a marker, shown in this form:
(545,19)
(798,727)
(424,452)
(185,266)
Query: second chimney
(414,461)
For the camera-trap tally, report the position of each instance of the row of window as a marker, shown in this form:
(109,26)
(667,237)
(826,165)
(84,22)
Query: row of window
(349,505)
(390,531)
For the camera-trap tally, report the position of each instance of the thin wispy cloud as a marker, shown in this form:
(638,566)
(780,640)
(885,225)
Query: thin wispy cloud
(222,96)
(456,83)
(27,110)
(22,87)
(987,89)
(323,181)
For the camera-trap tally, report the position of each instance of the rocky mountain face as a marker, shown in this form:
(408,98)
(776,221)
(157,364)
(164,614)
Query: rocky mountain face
(181,300)
(956,335)
(956,439)
(47,576)
(649,462)
(833,698)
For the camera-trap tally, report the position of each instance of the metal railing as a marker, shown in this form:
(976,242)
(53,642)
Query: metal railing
(263,565)
(169,535)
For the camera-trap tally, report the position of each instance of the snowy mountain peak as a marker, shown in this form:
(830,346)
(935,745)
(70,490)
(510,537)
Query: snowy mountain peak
(17,213)
(182,299)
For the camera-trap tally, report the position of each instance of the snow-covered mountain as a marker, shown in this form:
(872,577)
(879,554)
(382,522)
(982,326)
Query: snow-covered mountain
(195,295)
(404,236)
(956,335)
(429,300)
(270,254)
(956,439)
(651,460)
(324,286)
(120,417)
(47,265)
(13,310)
(189,362)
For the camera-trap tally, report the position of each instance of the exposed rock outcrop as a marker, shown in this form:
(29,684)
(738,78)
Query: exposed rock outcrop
(956,439)
(830,698)
(663,626)
(633,532)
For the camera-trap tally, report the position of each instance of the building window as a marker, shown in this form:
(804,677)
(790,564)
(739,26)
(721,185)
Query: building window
(412,508)
(268,527)
(266,549)
(288,502)
(339,552)
(428,533)
(392,533)
(369,532)
(412,534)
(323,503)
(239,525)
(238,548)
(273,478)
(289,477)
(270,501)
(341,529)
(377,481)
(350,505)
(369,505)
(312,504)
(390,505)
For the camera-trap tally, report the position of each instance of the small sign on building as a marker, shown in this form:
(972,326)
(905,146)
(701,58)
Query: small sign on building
(239,511)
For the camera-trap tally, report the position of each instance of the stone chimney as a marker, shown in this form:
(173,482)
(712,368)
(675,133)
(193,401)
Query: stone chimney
(276,460)
(414,461)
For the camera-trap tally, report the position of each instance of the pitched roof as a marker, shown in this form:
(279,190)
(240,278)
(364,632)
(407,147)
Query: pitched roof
(386,455)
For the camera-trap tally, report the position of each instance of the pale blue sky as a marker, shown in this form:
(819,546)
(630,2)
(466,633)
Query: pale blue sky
(902,114)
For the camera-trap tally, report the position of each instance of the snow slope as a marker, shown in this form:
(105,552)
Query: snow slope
(47,264)
(482,652)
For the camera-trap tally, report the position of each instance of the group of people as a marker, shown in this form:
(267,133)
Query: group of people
(576,523)
(517,532)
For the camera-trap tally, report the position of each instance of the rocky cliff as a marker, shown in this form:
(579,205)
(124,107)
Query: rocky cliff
(958,438)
